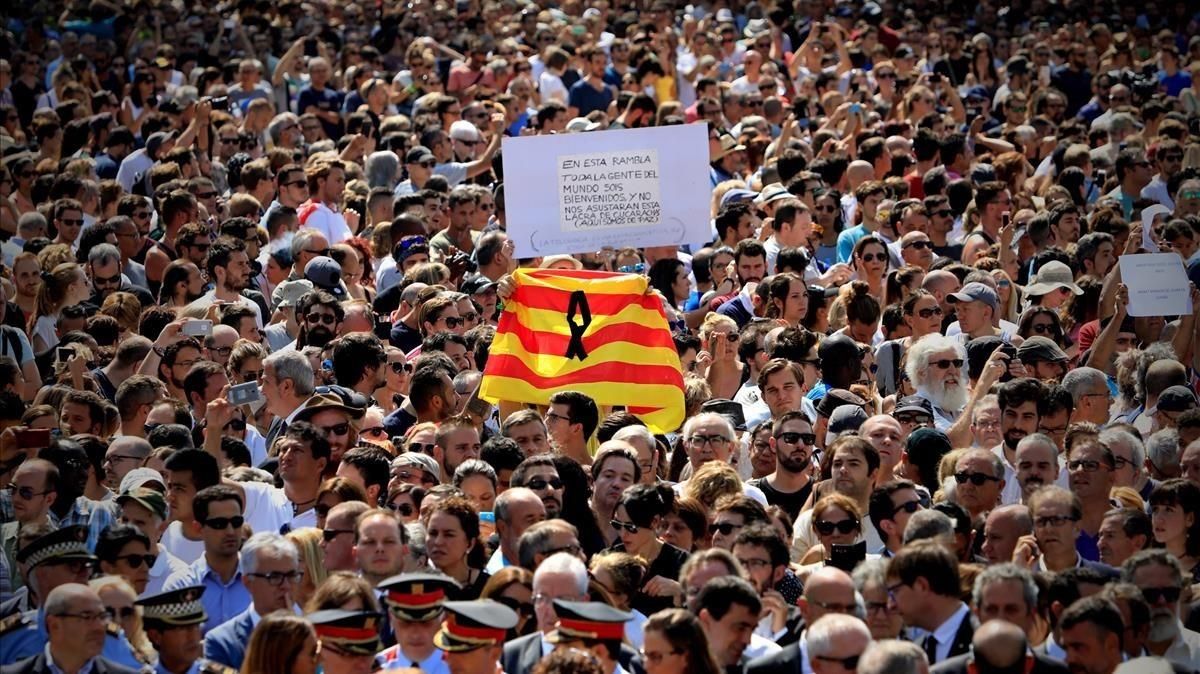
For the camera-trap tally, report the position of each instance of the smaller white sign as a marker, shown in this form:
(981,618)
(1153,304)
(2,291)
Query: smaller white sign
(1158,284)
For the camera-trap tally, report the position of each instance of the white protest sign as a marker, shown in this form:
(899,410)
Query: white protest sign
(1158,284)
(580,192)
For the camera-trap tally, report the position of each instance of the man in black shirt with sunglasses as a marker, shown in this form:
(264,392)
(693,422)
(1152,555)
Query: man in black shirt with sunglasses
(793,441)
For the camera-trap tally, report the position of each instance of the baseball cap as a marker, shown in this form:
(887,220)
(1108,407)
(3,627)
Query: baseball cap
(979,92)
(138,477)
(325,274)
(728,409)
(149,499)
(838,347)
(1176,399)
(976,292)
(837,397)
(844,419)
(418,154)
(1037,349)
(476,284)
(156,140)
(915,404)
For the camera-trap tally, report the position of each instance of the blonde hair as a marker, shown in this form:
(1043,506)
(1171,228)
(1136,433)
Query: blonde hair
(312,559)
(712,481)
(143,649)
(711,322)
(125,308)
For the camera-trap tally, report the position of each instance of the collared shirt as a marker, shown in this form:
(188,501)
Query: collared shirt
(496,562)
(1185,650)
(53,667)
(434,664)
(221,600)
(165,566)
(944,634)
(1041,562)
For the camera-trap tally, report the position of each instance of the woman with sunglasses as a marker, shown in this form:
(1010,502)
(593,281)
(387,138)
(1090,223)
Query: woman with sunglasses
(923,316)
(718,359)
(405,500)
(454,547)
(675,643)
(396,378)
(334,491)
(836,520)
(513,587)
(637,518)
(871,260)
(24,174)
(1043,322)
(125,551)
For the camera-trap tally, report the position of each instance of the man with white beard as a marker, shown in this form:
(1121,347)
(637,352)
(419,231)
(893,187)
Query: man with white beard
(935,367)
(1161,580)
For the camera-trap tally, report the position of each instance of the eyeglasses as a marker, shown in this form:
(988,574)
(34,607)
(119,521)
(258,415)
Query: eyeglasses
(919,245)
(327,319)
(572,549)
(451,321)
(220,523)
(873,257)
(374,431)
(405,509)
(317,251)
(914,419)
(521,607)
(421,447)
(336,429)
(236,425)
(469,317)
(725,528)
(330,534)
(399,367)
(826,528)
(71,222)
(1042,328)
(909,507)
(89,617)
(539,483)
(947,363)
(713,440)
(1154,595)
(277,578)
(793,438)
(252,375)
(136,561)
(977,479)
(627,526)
(1052,521)
(1087,466)
(850,663)
(296,183)
(944,213)
(930,312)
(26,493)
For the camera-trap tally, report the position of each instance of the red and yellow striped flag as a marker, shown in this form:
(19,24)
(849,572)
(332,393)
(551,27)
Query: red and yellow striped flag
(595,332)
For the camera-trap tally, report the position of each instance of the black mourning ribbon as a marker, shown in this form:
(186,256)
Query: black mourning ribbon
(578,306)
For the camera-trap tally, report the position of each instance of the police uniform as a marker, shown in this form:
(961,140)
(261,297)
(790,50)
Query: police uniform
(415,597)
(471,625)
(349,633)
(179,608)
(590,622)
(25,634)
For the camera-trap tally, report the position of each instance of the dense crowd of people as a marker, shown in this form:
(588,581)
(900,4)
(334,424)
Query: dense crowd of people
(254,255)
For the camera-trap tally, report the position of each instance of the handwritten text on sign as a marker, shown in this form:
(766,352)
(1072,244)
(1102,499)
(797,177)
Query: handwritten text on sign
(608,190)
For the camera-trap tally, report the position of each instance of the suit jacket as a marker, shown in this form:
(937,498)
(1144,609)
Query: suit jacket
(786,661)
(38,665)
(1041,665)
(963,637)
(522,654)
(226,643)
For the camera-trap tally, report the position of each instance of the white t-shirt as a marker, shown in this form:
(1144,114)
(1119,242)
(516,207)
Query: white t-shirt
(331,224)
(552,88)
(46,328)
(174,542)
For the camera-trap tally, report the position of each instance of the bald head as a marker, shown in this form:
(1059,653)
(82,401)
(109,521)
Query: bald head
(859,172)
(828,590)
(1000,643)
(1162,374)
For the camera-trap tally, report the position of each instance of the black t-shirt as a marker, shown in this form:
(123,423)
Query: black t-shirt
(405,338)
(791,503)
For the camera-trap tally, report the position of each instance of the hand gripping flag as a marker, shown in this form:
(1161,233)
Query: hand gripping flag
(595,332)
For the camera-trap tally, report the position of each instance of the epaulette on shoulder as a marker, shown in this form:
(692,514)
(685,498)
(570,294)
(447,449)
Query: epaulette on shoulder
(13,623)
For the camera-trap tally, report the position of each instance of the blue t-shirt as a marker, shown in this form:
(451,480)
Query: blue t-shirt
(586,98)
(846,241)
(324,100)
(1174,83)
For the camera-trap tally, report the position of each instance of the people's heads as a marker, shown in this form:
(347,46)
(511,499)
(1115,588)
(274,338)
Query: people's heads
(935,367)
(728,610)
(1002,529)
(1036,463)
(34,489)
(218,510)
(675,642)
(828,590)
(271,571)
(918,574)
(75,622)
(708,437)
(1123,532)
(559,576)
(1056,514)
(380,543)
(125,551)
(1092,631)
(1173,513)
(571,419)
(890,507)
(854,465)
(539,474)
(1090,465)
(1008,593)
(763,553)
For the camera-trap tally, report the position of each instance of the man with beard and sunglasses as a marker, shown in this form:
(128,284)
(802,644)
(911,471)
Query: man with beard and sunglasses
(793,442)
(1161,579)
(228,268)
(320,315)
(935,367)
(1020,403)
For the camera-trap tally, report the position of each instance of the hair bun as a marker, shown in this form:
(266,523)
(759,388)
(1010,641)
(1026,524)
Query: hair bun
(46,276)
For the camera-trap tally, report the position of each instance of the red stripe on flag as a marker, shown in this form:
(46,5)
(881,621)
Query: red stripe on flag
(576,274)
(538,341)
(607,372)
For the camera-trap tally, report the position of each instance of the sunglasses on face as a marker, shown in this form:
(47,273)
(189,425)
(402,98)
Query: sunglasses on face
(220,523)
(421,448)
(826,528)
(793,438)
(909,507)
(873,257)
(404,509)
(947,363)
(1154,595)
(374,432)
(123,612)
(136,561)
(725,528)
(930,312)
(1042,328)
(919,245)
(627,526)
(452,321)
(330,534)
(336,429)
(327,319)
(977,479)
(538,483)
(26,493)
(236,425)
